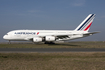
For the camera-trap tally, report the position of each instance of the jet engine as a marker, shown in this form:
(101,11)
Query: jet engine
(37,39)
(50,38)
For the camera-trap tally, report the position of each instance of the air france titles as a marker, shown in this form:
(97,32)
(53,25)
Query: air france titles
(24,33)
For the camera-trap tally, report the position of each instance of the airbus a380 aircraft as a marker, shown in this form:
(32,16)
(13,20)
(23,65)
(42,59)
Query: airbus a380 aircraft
(50,36)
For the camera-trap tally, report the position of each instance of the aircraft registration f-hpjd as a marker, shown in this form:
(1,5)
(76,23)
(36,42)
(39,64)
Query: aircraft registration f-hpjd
(51,36)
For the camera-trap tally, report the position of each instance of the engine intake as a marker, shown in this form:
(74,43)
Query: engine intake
(37,39)
(49,38)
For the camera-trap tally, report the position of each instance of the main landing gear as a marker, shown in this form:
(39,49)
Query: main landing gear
(49,43)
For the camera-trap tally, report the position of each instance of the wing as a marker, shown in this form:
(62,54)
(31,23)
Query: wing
(62,36)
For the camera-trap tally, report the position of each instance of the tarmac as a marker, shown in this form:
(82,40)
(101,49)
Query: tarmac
(49,50)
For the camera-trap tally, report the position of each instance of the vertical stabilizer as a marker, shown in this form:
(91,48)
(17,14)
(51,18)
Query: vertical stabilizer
(85,25)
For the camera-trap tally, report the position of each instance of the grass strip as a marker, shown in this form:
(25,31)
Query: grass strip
(52,61)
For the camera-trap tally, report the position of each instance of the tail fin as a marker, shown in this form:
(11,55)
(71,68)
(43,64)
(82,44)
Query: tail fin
(85,25)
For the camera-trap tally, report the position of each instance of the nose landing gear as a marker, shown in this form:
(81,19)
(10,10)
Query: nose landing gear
(9,42)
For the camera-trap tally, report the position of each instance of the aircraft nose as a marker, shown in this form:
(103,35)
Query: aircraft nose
(4,37)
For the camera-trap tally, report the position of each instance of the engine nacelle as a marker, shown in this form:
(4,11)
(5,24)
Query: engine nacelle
(37,39)
(49,38)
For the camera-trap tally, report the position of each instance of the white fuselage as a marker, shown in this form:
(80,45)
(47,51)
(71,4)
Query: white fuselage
(28,34)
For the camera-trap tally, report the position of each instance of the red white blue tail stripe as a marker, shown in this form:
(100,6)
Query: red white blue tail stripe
(85,25)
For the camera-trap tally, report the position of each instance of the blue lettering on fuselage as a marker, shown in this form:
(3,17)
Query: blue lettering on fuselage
(32,33)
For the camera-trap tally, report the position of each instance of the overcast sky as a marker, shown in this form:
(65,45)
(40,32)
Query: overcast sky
(51,15)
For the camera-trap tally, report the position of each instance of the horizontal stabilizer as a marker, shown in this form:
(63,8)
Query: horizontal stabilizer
(91,33)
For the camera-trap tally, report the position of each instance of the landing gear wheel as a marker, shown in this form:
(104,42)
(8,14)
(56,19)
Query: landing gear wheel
(49,43)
